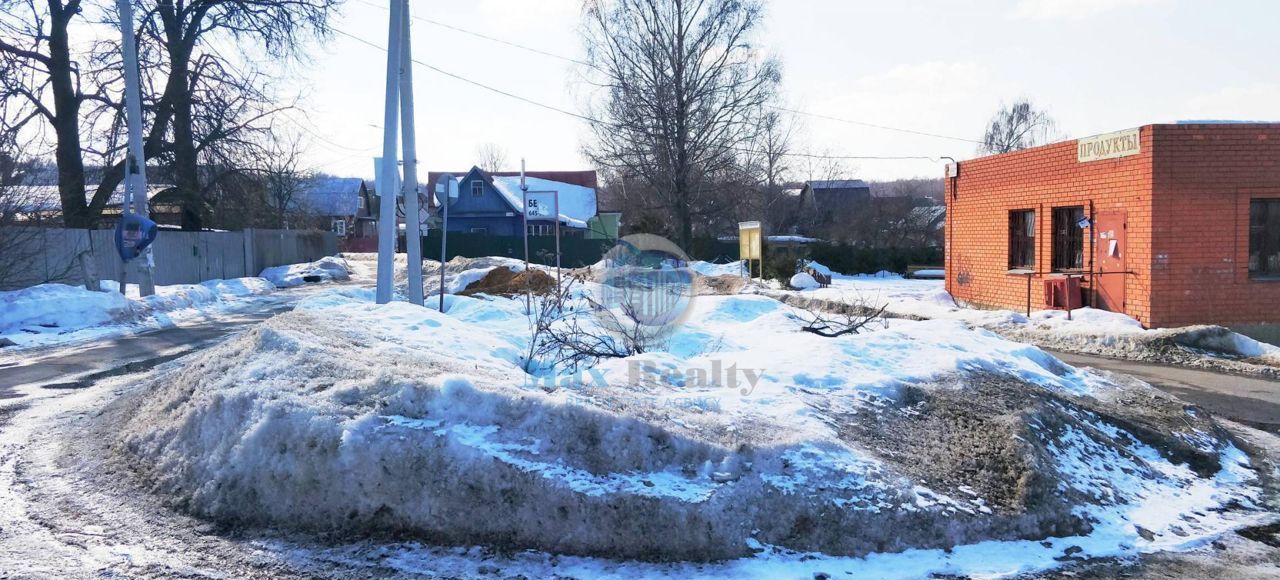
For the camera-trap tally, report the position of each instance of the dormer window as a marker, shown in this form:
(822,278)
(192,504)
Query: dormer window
(477,188)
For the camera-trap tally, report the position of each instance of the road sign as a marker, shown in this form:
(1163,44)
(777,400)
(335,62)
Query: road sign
(541,205)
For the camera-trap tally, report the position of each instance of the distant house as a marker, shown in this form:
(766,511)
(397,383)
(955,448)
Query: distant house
(834,196)
(492,203)
(42,204)
(342,206)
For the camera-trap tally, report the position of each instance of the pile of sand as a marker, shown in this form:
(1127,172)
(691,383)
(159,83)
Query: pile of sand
(504,281)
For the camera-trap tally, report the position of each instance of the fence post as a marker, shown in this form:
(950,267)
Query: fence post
(250,267)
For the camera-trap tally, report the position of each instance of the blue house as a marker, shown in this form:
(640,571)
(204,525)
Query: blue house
(492,202)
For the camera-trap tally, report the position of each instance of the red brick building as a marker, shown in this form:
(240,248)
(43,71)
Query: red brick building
(1170,224)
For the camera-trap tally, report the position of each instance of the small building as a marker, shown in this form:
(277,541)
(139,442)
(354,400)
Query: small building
(491,203)
(1170,224)
(342,206)
(42,204)
(834,196)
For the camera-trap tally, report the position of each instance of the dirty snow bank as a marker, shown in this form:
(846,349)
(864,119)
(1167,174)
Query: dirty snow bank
(740,439)
(52,313)
(326,269)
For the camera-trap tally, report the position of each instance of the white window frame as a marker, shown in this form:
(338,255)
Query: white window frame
(477,188)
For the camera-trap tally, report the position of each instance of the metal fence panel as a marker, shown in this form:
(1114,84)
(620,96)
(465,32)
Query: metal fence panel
(30,256)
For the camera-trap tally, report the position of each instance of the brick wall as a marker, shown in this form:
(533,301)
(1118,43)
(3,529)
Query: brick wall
(1205,177)
(1187,200)
(987,189)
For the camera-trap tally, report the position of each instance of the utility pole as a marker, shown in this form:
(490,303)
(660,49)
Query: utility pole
(387,199)
(135,181)
(412,215)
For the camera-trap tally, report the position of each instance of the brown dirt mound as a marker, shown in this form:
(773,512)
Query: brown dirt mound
(719,284)
(507,282)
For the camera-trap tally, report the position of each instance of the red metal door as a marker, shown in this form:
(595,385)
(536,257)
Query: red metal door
(1110,271)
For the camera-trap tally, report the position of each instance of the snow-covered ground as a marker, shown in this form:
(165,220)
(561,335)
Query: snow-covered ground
(459,272)
(1088,329)
(326,269)
(55,314)
(916,448)
(736,441)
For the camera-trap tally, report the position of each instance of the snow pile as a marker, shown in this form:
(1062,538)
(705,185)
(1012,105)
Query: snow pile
(803,281)
(819,268)
(463,272)
(59,305)
(183,296)
(711,269)
(740,438)
(56,313)
(930,274)
(1086,330)
(325,269)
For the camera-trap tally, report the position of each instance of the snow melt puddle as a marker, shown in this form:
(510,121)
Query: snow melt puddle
(483,438)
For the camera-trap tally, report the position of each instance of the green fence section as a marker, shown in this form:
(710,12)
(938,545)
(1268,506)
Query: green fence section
(779,260)
(575,252)
(853,260)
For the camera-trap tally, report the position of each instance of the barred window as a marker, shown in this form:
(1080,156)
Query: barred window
(1264,238)
(1022,239)
(1068,238)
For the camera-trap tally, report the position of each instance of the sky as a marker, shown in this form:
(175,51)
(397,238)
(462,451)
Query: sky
(933,66)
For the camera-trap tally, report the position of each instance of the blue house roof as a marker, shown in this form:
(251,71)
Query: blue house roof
(330,196)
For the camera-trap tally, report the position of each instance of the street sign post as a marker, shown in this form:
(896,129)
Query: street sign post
(541,206)
(446,192)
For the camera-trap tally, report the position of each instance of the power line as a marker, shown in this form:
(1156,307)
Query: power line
(475,83)
(875,126)
(589,65)
(489,38)
(606,123)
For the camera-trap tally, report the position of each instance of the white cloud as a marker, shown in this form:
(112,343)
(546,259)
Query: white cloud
(1071,9)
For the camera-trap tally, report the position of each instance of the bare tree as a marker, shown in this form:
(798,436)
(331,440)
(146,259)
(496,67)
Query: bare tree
(682,90)
(285,177)
(1017,126)
(39,70)
(491,157)
(770,167)
(184,28)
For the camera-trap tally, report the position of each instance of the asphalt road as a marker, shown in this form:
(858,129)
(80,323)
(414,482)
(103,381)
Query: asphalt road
(1252,401)
(78,365)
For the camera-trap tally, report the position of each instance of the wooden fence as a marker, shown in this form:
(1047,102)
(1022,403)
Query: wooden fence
(31,256)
